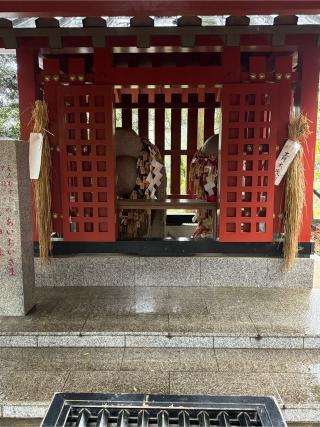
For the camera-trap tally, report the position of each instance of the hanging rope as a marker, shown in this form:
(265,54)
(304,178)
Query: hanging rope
(298,130)
(41,186)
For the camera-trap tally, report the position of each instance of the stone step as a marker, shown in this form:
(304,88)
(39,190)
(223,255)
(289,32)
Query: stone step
(30,376)
(136,340)
(168,318)
(199,271)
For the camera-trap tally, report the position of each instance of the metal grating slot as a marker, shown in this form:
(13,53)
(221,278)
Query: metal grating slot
(244,419)
(83,418)
(143,419)
(204,420)
(163,419)
(224,419)
(184,419)
(123,419)
(102,419)
(107,410)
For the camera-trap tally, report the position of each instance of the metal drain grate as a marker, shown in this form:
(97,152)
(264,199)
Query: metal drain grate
(136,410)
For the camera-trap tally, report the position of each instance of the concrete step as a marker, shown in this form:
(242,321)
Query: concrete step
(30,376)
(168,318)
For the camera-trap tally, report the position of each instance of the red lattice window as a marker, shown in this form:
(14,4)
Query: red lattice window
(87,163)
(248,152)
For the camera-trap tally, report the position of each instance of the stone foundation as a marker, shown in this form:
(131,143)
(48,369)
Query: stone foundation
(204,271)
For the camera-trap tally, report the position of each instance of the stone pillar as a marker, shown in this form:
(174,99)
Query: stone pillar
(16,243)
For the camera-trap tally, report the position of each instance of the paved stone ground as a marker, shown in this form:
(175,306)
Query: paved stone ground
(152,317)
(316,278)
(168,317)
(29,377)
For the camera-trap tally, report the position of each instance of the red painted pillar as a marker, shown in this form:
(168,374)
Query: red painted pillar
(28,91)
(27,65)
(51,67)
(309,106)
(283,66)
(102,68)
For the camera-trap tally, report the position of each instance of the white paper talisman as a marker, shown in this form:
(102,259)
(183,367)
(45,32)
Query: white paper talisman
(285,158)
(35,151)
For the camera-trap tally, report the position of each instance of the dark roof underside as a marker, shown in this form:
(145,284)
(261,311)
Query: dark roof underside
(51,8)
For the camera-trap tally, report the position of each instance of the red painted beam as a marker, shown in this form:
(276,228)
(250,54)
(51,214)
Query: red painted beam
(40,8)
(169,75)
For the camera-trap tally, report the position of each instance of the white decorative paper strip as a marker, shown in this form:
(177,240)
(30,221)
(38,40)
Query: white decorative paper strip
(157,179)
(149,178)
(285,158)
(154,177)
(35,151)
(209,189)
(151,185)
(153,193)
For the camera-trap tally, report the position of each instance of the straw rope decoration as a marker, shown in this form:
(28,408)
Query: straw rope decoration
(298,130)
(41,186)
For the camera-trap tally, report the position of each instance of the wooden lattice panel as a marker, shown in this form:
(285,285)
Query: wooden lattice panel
(248,152)
(87,162)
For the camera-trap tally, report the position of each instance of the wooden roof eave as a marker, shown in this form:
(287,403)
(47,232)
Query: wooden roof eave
(229,34)
(66,8)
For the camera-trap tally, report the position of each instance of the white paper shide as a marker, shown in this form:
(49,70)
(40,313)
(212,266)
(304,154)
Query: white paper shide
(35,151)
(288,153)
(155,175)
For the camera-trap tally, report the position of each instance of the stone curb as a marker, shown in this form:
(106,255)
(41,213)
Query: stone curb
(301,414)
(155,340)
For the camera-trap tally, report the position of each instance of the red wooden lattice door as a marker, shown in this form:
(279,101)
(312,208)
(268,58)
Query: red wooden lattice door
(87,158)
(248,152)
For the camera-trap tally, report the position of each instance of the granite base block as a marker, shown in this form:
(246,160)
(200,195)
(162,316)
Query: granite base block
(302,415)
(81,341)
(232,342)
(167,271)
(86,271)
(154,340)
(255,272)
(18,341)
(169,342)
(311,342)
(118,270)
(254,343)
(16,243)
(277,342)
(24,411)
(301,275)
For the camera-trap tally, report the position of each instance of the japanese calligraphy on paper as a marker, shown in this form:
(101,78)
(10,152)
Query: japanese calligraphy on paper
(35,150)
(288,153)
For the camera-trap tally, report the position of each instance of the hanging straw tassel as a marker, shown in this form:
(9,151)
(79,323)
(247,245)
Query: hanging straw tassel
(41,186)
(294,193)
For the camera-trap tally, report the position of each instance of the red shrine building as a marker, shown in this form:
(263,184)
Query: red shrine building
(162,125)
(96,76)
